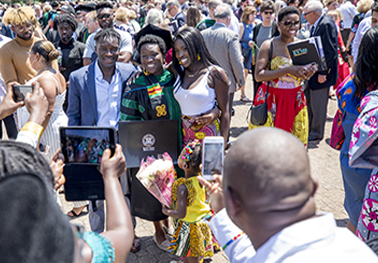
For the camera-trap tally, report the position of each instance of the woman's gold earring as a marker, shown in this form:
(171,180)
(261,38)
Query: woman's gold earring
(198,57)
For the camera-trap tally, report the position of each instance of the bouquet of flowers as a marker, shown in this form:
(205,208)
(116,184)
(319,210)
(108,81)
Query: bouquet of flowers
(157,176)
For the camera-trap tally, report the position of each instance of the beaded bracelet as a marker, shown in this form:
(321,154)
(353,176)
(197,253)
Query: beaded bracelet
(232,240)
(34,128)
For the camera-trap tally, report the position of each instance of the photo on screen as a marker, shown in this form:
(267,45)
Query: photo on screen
(212,162)
(85,145)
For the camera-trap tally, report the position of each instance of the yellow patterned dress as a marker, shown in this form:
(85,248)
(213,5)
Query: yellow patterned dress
(193,236)
(287,106)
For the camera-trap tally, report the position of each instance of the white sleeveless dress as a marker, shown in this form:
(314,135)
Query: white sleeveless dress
(50,137)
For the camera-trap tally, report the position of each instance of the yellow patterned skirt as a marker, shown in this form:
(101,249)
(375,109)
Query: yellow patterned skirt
(192,240)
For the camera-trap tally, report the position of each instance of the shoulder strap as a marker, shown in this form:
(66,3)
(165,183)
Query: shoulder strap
(270,63)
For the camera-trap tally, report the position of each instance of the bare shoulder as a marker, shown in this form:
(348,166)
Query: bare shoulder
(217,76)
(218,72)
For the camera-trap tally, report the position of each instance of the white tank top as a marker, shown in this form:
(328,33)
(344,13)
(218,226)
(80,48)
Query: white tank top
(195,101)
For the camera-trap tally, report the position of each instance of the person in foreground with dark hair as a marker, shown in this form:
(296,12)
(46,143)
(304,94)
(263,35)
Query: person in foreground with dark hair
(95,96)
(287,107)
(271,201)
(28,235)
(356,86)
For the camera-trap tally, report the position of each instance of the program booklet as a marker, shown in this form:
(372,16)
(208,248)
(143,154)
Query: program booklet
(307,51)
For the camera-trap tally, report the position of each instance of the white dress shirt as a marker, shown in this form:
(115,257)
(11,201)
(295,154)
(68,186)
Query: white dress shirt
(108,98)
(364,26)
(234,24)
(312,241)
(348,12)
(224,230)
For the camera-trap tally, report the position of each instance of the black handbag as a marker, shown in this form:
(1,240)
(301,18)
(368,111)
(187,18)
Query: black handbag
(259,114)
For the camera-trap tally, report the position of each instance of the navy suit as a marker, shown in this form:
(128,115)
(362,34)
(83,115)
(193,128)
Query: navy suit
(82,101)
(317,93)
(181,19)
(82,111)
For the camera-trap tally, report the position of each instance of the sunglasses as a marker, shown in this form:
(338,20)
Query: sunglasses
(268,13)
(104,16)
(305,14)
(289,23)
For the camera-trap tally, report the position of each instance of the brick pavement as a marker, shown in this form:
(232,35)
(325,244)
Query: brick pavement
(324,166)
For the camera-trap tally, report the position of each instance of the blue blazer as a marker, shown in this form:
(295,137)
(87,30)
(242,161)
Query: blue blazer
(82,101)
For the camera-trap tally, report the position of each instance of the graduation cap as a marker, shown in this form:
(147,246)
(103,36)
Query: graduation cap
(88,7)
(151,30)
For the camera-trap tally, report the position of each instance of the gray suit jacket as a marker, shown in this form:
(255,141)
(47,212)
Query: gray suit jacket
(82,100)
(224,46)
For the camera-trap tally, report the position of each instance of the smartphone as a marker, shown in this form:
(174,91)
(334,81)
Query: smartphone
(86,144)
(19,91)
(212,156)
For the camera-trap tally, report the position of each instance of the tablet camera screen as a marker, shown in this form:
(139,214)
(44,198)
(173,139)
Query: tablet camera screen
(86,146)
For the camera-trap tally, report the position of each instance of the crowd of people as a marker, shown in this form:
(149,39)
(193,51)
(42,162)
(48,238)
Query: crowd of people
(98,63)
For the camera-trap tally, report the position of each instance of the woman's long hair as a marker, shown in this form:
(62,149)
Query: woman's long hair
(366,66)
(196,45)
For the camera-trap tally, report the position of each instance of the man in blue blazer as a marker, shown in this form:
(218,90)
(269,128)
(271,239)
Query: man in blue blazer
(94,98)
(85,109)
(318,85)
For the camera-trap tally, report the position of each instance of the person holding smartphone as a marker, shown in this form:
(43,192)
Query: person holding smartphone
(42,55)
(30,181)
(287,107)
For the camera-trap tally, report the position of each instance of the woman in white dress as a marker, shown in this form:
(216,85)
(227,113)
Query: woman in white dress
(42,56)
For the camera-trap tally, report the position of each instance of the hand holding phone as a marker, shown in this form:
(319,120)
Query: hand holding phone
(8,105)
(212,156)
(20,91)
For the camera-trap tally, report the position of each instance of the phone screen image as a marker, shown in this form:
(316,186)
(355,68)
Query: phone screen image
(19,91)
(86,145)
(212,159)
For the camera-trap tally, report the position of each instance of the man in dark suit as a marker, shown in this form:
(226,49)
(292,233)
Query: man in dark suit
(95,97)
(174,10)
(318,86)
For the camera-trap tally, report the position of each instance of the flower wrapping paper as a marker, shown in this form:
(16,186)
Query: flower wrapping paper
(157,176)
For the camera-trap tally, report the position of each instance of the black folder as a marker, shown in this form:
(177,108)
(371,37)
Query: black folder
(307,51)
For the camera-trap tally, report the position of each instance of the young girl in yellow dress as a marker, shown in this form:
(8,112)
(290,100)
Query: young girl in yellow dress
(193,237)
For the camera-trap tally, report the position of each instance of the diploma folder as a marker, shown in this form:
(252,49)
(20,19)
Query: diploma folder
(140,139)
(307,51)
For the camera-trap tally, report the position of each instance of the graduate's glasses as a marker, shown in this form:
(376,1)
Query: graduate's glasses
(289,23)
(104,16)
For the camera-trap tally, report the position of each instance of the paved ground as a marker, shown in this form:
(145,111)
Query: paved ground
(324,166)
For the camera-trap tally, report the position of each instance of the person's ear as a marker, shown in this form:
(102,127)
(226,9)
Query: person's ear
(200,166)
(232,202)
(13,29)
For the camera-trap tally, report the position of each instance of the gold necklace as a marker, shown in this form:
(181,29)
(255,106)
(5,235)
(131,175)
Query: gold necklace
(195,73)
